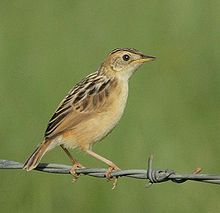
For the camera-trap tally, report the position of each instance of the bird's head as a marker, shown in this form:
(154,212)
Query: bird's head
(122,62)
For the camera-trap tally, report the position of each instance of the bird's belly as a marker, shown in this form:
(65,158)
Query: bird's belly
(91,131)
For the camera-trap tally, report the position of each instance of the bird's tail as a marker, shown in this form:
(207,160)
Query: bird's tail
(36,156)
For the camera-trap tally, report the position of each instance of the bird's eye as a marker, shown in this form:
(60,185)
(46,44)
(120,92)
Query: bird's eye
(126,57)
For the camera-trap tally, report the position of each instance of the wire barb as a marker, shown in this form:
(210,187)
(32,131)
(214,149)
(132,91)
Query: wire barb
(157,175)
(153,175)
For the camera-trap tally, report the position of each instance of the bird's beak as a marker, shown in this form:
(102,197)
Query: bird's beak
(145,58)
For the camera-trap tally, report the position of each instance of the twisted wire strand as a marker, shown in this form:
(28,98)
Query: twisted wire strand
(153,175)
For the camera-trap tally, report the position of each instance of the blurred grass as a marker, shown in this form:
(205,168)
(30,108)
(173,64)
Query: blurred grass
(173,107)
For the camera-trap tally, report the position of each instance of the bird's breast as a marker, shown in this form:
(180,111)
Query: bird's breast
(102,122)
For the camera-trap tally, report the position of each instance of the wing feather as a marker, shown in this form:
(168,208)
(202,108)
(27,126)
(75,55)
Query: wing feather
(82,102)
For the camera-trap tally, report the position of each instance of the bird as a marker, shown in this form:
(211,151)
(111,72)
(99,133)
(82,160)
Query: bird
(91,109)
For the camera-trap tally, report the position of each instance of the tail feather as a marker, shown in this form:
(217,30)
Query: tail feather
(36,156)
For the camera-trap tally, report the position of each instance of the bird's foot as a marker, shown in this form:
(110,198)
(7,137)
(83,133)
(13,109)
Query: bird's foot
(109,176)
(73,171)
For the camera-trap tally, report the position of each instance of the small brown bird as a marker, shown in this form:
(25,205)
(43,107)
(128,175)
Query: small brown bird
(91,109)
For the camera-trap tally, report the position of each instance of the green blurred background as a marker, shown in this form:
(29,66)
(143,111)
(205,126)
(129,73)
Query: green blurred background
(173,108)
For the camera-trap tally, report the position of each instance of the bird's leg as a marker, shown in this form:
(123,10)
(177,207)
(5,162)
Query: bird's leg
(72,159)
(76,164)
(111,165)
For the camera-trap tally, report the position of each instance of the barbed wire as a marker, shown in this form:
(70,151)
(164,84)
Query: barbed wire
(153,175)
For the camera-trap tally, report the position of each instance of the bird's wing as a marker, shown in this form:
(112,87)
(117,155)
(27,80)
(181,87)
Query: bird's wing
(82,102)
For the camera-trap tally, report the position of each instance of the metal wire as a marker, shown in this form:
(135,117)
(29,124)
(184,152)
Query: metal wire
(153,175)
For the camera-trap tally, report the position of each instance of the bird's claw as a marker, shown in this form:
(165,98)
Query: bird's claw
(73,171)
(109,176)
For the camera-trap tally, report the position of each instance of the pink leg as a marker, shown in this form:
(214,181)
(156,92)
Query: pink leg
(76,164)
(111,165)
